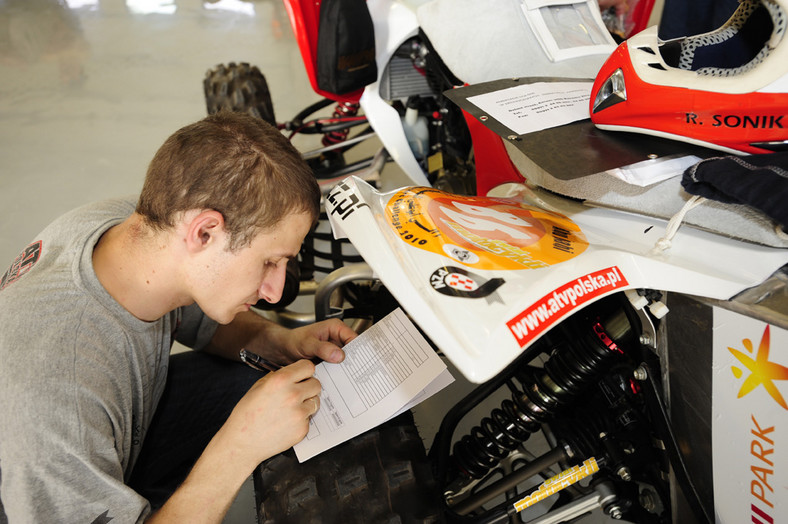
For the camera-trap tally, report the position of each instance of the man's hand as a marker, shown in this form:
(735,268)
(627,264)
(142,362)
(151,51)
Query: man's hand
(278,344)
(270,418)
(274,414)
(323,340)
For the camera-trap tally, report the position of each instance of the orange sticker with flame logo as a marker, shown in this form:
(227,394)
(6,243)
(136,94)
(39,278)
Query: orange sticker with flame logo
(482,232)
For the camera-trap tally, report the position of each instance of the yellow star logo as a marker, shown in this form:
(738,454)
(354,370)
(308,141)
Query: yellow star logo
(762,372)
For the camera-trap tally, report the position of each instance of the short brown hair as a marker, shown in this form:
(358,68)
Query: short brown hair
(233,163)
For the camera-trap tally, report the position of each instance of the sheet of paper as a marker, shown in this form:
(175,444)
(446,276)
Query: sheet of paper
(440,382)
(650,172)
(532,107)
(387,369)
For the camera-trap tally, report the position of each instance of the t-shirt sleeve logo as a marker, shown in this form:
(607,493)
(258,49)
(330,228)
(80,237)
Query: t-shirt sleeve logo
(22,264)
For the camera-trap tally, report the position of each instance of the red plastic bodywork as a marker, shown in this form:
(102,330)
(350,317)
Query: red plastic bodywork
(733,121)
(304,18)
(493,165)
(640,15)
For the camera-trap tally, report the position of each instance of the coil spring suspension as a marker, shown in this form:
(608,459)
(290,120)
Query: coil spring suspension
(575,362)
(581,430)
(341,110)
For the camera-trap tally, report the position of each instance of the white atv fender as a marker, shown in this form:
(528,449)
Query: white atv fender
(486,277)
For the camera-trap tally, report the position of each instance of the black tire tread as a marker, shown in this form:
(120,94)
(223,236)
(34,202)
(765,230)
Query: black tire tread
(238,87)
(381,476)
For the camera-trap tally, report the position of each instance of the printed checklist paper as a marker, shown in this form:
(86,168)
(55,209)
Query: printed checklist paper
(387,369)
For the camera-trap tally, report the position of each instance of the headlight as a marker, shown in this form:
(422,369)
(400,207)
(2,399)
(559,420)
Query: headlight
(612,92)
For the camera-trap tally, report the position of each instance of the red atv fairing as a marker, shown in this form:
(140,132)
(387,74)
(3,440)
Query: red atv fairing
(726,89)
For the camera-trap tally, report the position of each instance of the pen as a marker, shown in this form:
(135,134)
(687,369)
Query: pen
(257,362)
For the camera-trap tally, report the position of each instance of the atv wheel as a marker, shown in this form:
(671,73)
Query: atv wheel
(238,87)
(381,476)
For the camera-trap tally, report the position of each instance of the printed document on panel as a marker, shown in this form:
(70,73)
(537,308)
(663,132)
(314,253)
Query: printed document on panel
(387,369)
(533,107)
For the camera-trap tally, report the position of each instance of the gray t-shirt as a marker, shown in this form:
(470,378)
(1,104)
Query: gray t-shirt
(80,378)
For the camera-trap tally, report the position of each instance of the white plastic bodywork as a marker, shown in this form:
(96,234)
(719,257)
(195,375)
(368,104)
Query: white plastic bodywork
(394,22)
(479,41)
(481,335)
(495,39)
(770,76)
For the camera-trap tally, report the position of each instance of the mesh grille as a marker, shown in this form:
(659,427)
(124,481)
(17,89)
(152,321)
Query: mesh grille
(401,80)
(732,27)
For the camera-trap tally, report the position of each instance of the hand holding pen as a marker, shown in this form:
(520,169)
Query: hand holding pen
(259,363)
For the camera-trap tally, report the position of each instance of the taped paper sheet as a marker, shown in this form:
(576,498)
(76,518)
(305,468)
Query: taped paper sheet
(533,107)
(387,369)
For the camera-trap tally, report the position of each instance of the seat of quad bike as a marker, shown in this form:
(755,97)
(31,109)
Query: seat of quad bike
(572,161)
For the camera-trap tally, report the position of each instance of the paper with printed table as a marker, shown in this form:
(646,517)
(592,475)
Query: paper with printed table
(387,369)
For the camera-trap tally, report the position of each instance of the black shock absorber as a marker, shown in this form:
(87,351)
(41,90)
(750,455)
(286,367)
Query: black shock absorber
(581,354)
(341,110)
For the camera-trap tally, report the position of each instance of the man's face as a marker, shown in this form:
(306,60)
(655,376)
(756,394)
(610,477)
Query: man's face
(234,281)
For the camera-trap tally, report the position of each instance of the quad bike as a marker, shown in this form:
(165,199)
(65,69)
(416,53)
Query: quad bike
(628,379)
(620,353)
(402,56)
(416,55)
